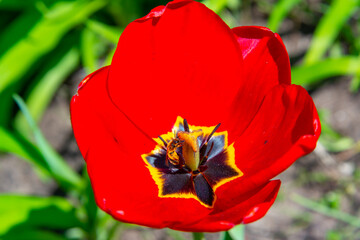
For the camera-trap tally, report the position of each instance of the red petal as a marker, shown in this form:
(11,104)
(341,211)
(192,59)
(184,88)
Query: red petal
(253,206)
(93,114)
(112,147)
(266,64)
(182,60)
(286,127)
(286,122)
(263,49)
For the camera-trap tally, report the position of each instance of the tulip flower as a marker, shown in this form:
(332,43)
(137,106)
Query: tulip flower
(191,121)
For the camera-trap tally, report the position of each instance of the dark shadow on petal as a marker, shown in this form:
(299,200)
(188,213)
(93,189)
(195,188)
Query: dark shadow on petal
(304,125)
(177,4)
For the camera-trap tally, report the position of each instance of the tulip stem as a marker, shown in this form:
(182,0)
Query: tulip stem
(198,236)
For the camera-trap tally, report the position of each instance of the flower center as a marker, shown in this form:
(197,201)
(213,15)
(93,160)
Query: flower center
(184,150)
(191,162)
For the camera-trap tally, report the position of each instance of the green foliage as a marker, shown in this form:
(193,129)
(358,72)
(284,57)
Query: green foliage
(32,213)
(332,140)
(279,12)
(176,235)
(62,17)
(88,46)
(329,27)
(237,232)
(198,236)
(59,169)
(33,235)
(325,210)
(47,83)
(110,33)
(216,5)
(315,73)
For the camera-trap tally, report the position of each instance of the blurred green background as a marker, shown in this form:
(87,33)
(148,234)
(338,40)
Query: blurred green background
(48,46)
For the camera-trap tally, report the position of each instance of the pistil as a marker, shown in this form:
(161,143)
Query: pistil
(191,148)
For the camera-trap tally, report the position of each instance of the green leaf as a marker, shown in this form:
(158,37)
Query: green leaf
(355,83)
(225,236)
(108,32)
(320,71)
(238,232)
(109,57)
(89,203)
(21,4)
(43,37)
(216,5)
(46,86)
(176,235)
(33,235)
(198,236)
(279,12)
(27,211)
(59,20)
(59,169)
(14,143)
(88,50)
(17,29)
(329,27)
(323,209)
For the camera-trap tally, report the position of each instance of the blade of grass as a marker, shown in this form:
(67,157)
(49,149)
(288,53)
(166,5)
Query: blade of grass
(109,57)
(225,236)
(198,236)
(323,209)
(88,201)
(60,170)
(33,235)
(355,84)
(237,232)
(42,38)
(17,29)
(88,54)
(60,19)
(279,12)
(27,211)
(319,71)
(14,143)
(45,88)
(329,27)
(21,4)
(216,5)
(108,32)
(176,235)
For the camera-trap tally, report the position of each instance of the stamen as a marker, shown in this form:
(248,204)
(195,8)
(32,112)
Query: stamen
(165,143)
(206,156)
(213,131)
(186,126)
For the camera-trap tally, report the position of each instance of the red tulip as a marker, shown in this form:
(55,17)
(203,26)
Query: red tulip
(150,166)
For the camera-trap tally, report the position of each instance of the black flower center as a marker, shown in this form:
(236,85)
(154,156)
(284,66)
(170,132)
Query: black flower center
(191,162)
